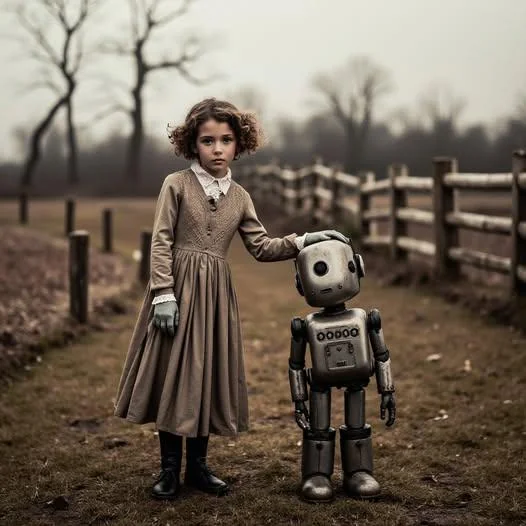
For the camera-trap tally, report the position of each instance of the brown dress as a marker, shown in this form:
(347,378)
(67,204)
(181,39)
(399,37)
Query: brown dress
(194,384)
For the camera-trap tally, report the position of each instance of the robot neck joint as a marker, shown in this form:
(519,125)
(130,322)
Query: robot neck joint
(334,309)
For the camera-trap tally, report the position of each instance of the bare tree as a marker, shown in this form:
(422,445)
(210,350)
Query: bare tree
(441,109)
(148,18)
(58,63)
(352,93)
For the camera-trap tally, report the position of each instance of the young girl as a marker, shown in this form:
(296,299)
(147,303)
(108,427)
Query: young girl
(184,367)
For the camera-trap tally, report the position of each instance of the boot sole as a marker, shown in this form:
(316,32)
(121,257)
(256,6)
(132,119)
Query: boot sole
(164,497)
(317,501)
(363,497)
(216,493)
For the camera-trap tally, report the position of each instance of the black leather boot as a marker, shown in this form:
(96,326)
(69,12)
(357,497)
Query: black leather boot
(168,485)
(198,475)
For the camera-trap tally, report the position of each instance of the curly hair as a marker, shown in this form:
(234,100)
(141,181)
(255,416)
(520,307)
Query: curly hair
(245,125)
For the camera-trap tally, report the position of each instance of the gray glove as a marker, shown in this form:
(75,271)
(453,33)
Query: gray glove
(166,316)
(324,235)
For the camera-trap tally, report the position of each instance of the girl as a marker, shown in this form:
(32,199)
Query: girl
(184,367)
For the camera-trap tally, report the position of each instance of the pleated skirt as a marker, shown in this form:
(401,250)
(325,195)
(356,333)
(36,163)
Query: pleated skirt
(192,384)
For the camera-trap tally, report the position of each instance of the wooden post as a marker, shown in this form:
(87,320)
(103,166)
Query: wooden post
(298,186)
(23,208)
(370,177)
(107,230)
(283,185)
(78,275)
(398,200)
(518,217)
(364,226)
(69,225)
(316,201)
(144,265)
(446,236)
(336,192)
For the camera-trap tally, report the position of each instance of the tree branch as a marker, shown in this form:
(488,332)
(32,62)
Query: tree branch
(103,114)
(166,19)
(39,37)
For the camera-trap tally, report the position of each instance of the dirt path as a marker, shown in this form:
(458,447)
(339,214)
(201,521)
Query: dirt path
(455,455)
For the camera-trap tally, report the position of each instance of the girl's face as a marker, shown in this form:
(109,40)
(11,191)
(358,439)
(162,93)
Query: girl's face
(216,147)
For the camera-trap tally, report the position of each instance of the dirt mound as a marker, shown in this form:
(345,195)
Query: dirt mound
(34,298)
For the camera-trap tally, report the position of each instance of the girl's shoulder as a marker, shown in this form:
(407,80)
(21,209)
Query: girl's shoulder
(180,175)
(178,178)
(240,190)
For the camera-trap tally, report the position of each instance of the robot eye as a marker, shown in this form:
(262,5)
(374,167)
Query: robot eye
(351,266)
(320,268)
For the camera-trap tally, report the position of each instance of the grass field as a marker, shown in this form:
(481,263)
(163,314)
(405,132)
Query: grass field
(454,457)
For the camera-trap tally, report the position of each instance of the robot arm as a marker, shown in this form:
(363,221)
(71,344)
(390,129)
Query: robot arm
(384,377)
(297,373)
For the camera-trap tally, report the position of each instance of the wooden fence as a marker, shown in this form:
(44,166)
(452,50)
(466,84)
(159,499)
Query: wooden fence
(331,196)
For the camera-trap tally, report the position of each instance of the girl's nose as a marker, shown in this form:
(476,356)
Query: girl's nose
(217,147)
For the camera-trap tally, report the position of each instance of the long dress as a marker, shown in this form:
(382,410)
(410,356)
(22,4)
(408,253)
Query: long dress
(194,383)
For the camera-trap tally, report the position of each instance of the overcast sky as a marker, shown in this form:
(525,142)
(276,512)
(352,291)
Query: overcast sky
(478,47)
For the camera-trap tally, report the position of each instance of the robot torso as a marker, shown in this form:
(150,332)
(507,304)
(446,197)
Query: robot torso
(340,350)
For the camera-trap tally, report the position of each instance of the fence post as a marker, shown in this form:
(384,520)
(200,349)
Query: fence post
(69,225)
(315,200)
(518,227)
(446,236)
(363,206)
(78,275)
(336,191)
(298,186)
(107,230)
(23,208)
(144,265)
(283,186)
(398,200)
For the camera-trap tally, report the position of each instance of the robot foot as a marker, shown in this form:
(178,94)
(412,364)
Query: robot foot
(361,484)
(317,488)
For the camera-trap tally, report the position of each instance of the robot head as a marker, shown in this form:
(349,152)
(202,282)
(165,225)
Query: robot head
(328,273)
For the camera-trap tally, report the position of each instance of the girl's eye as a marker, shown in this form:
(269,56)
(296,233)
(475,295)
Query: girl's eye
(207,141)
(227,139)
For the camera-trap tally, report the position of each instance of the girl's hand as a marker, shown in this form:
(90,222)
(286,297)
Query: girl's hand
(166,317)
(324,235)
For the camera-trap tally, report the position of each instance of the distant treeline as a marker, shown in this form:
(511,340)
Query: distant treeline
(293,143)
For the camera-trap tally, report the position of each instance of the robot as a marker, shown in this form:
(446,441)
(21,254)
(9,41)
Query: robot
(346,348)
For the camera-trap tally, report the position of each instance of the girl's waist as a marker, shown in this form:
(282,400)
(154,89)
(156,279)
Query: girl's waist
(179,248)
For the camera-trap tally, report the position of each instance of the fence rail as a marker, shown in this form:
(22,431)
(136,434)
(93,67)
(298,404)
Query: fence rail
(332,196)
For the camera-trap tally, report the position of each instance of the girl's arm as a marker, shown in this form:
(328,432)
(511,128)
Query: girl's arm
(161,278)
(257,240)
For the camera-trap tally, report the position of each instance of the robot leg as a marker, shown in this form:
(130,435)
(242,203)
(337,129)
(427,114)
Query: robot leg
(317,462)
(356,448)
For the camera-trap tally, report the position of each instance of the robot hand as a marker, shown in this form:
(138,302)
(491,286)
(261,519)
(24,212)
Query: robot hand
(388,402)
(302,415)
(324,235)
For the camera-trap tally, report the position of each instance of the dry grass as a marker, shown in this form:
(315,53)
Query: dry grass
(56,426)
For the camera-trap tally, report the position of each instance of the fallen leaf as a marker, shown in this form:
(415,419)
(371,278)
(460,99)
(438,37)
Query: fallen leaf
(434,357)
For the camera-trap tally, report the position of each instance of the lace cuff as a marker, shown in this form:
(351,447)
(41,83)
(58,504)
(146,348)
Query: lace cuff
(163,298)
